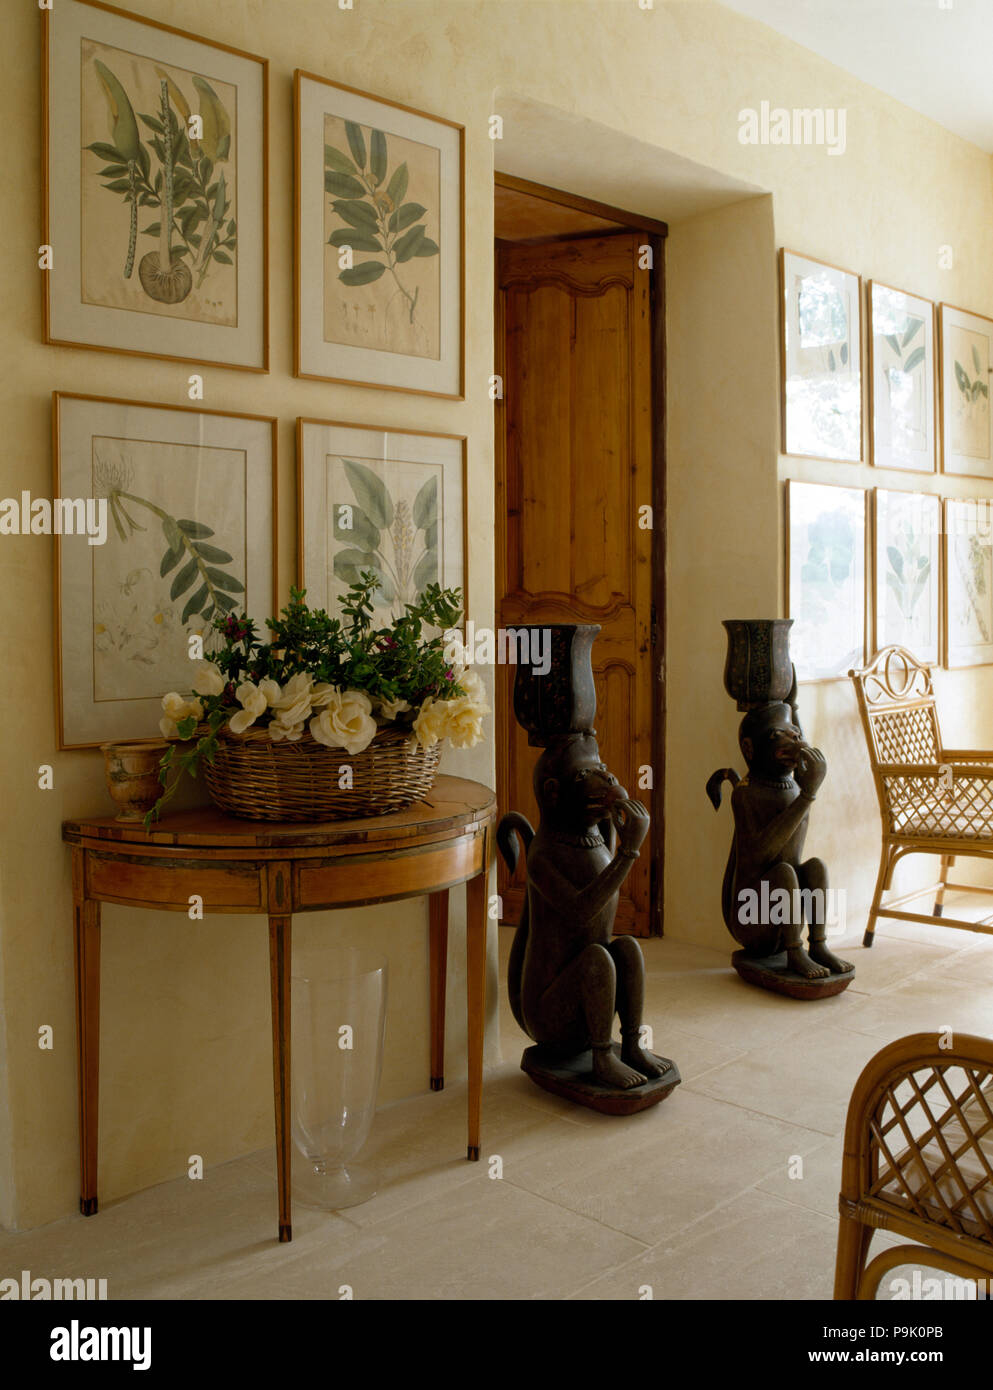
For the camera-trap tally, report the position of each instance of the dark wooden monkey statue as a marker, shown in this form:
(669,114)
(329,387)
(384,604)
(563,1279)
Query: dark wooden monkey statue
(766,868)
(567,977)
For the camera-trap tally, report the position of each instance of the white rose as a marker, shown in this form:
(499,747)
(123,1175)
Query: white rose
(345,722)
(253,703)
(208,679)
(465,722)
(177,707)
(431,724)
(389,709)
(270,689)
(281,728)
(472,683)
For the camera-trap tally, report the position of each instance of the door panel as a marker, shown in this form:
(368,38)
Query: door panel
(574,464)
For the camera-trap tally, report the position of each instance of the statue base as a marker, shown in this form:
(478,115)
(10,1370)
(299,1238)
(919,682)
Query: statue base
(572,1077)
(771,972)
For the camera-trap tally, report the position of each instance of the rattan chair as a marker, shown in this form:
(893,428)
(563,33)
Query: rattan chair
(919,1161)
(933,800)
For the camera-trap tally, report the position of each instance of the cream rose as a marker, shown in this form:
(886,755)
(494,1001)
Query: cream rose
(209,680)
(389,709)
(431,724)
(177,707)
(253,703)
(345,722)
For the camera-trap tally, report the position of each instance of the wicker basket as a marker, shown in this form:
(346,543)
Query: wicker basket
(254,777)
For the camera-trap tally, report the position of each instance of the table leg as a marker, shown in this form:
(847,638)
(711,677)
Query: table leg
(475,937)
(86,936)
(438,968)
(279,978)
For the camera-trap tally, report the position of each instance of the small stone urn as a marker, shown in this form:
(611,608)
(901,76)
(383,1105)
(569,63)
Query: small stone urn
(554,693)
(132,770)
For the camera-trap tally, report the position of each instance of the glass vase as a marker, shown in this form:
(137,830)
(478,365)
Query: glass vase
(338,1028)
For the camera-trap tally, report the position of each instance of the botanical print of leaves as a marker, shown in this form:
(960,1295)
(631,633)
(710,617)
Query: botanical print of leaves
(382,277)
(969,403)
(175,558)
(158,196)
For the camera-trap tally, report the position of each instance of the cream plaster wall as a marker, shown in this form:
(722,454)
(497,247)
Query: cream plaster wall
(184,1043)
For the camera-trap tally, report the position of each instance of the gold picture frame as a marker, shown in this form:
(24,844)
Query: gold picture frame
(966,357)
(820,359)
(902,379)
(379,270)
(156,247)
(188,500)
(404,495)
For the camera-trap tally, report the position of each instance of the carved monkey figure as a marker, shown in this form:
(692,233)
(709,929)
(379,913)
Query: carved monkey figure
(771,807)
(567,978)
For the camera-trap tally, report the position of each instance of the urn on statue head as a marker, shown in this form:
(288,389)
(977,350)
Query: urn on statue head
(758,669)
(554,693)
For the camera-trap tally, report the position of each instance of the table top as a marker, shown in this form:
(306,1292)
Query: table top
(452,804)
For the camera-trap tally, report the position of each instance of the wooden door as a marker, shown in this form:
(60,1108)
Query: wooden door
(574,465)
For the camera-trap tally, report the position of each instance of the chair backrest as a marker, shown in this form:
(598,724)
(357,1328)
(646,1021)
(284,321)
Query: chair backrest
(919,1135)
(896,702)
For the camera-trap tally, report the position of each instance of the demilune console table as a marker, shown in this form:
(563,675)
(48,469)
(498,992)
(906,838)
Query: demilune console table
(278,868)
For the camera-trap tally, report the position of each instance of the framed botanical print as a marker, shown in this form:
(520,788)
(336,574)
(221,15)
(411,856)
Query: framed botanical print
(821,344)
(825,578)
(379,233)
(906,569)
(901,379)
(185,503)
(968,582)
(966,419)
(155,190)
(382,501)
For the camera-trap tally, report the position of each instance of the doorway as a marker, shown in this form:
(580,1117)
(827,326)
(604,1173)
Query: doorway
(580,487)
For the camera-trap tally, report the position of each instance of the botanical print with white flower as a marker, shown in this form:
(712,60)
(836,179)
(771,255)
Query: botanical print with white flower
(174,556)
(386,518)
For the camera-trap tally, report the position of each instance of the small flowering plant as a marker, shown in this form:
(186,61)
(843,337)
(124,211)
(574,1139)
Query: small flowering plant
(341,682)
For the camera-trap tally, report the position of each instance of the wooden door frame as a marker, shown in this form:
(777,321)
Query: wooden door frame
(656,233)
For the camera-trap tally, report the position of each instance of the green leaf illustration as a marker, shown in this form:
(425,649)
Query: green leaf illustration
(340,163)
(961,377)
(915,327)
(427,247)
(377,157)
(225,581)
(194,528)
(212,553)
(349,564)
(896,560)
(405,215)
(170,560)
(216,138)
(914,359)
(196,603)
(370,493)
(362,274)
(342,185)
(425,509)
(356,142)
(361,215)
(123,123)
(975,360)
(173,535)
(184,579)
(408,243)
(396,189)
(356,239)
(894,343)
(363,533)
(426,570)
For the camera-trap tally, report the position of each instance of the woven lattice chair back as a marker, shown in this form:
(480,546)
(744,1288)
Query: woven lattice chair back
(896,700)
